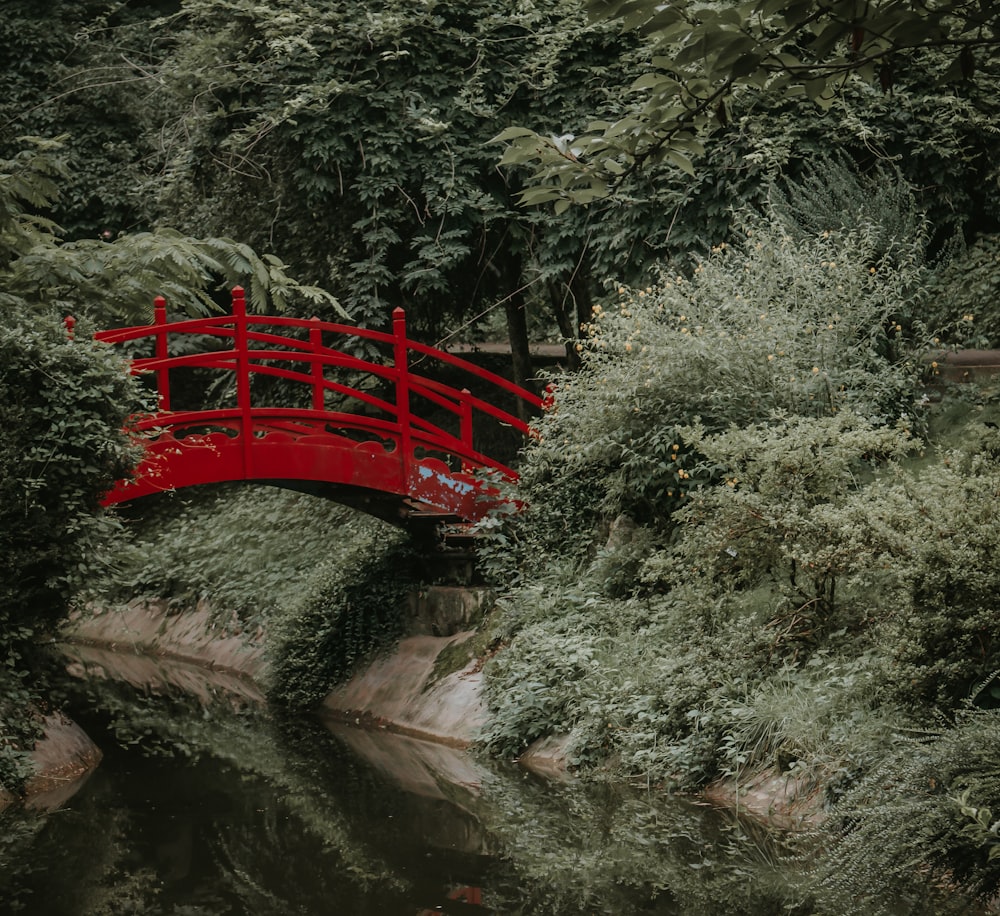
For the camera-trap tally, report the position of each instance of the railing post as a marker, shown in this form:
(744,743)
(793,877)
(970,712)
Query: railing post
(162,354)
(316,342)
(400,358)
(465,419)
(241,346)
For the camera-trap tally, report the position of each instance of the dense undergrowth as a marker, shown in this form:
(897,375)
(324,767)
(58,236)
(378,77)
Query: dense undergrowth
(761,536)
(325,582)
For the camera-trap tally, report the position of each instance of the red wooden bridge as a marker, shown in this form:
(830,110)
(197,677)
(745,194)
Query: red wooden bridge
(368,428)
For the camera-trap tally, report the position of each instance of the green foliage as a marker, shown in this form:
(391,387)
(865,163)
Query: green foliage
(904,557)
(807,325)
(344,614)
(830,193)
(598,671)
(941,638)
(758,604)
(19,723)
(326,583)
(63,406)
(372,125)
(821,722)
(64,402)
(116,280)
(243,548)
(920,826)
(63,77)
(963,294)
(821,590)
(778,585)
(706,56)
(793,516)
(352,141)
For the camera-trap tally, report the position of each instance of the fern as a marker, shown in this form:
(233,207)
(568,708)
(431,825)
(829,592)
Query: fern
(919,826)
(116,281)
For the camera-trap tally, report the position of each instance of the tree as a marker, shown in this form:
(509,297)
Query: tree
(708,57)
(353,140)
(62,77)
(115,279)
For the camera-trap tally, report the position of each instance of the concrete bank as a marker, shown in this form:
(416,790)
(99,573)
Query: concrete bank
(408,691)
(429,687)
(61,761)
(154,628)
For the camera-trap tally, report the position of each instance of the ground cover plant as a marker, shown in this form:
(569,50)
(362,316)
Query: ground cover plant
(326,583)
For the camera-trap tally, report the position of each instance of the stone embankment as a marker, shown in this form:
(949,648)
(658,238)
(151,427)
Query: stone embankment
(430,687)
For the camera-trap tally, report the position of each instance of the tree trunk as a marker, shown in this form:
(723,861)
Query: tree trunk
(520,354)
(573,305)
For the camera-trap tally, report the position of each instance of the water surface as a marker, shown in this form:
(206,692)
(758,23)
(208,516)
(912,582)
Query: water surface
(206,803)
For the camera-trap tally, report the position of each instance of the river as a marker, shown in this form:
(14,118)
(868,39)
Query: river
(208,803)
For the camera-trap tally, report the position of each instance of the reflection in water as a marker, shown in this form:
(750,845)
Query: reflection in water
(207,804)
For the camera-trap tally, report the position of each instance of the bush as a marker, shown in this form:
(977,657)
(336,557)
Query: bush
(804,326)
(921,827)
(800,516)
(328,583)
(245,548)
(963,294)
(63,406)
(718,519)
(765,590)
(940,639)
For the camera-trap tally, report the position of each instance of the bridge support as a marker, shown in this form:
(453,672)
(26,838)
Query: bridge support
(444,610)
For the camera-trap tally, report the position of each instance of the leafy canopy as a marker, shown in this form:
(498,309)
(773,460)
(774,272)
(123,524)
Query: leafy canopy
(706,55)
(116,279)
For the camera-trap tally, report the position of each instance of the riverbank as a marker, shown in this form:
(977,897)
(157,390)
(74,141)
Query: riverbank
(61,762)
(429,687)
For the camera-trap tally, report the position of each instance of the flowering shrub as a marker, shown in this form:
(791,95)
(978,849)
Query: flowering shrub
(800,515)
(800,326)
(963,295)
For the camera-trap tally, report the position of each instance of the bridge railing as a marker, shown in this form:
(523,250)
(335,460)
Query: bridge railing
(300,350)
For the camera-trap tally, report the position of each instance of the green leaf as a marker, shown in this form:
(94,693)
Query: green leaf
(513,133)
(681,161)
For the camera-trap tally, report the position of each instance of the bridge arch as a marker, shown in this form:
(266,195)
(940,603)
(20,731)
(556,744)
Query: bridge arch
(370,426)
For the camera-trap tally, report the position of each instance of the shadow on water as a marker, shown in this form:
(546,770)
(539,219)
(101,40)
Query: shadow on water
(207,803)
